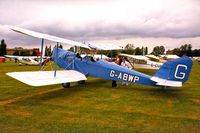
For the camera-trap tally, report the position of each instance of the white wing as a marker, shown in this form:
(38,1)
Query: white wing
(138,57)
(65,41)
(42,78)
(30,57)
(48,37)
(104,46)
(11,56)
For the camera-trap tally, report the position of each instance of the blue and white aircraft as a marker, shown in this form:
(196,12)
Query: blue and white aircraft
(172,73)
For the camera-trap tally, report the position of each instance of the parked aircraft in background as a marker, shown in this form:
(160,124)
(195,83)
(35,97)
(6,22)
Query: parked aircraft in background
(27,60)
(172,73)
(169,57)
(196,58)
(140,61)
(98,56)
(155,58)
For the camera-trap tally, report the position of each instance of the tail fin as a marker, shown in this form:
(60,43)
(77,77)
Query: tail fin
(173,72)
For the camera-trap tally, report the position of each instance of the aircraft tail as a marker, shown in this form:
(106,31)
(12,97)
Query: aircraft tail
(174,72)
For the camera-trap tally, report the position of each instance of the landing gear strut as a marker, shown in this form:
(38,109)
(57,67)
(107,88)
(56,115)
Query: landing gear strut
(114,83)
(66,85)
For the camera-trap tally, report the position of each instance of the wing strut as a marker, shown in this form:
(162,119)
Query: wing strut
(41,53)
(55,65)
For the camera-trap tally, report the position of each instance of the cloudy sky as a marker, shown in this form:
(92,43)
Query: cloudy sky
(141,22)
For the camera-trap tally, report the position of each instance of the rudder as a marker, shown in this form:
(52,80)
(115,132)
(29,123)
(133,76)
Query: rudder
(177,70)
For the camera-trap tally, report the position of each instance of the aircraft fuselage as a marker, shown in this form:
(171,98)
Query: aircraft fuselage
(100,68)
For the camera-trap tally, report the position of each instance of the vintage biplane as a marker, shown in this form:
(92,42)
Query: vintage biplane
(172,73)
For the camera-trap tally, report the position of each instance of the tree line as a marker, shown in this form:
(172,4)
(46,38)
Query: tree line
(48,51)
(185,49)
(24,52)
(130,49)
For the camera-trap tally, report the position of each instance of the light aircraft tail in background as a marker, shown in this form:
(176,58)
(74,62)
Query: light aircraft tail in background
(140,61)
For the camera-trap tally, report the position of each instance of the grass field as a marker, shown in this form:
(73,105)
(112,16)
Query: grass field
(97,107)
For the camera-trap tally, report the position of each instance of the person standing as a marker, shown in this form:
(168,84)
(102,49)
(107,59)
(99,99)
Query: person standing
(127,65)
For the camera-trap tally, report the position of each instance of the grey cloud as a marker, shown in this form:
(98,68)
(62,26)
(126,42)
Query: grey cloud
(99,29)
(172,22)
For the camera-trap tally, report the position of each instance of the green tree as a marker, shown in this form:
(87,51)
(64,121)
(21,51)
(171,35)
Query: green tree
(177,51)
(46,51)
(189,50)
(112,53)
(186,49)
(162,50)
(49,50)
(25,53)
(196,52)
(183,49)
(3,48)
(34,53)
(146,50)
(130,46)
(129,49)
(158,50)
(139,51)
(16,53)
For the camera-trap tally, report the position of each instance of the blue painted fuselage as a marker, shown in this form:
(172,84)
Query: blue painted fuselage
(100,68)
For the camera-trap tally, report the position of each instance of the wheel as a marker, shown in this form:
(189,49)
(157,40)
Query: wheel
(81,82)
(66,85)
(114,83)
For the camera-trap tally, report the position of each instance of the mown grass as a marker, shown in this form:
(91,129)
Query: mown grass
(97,107)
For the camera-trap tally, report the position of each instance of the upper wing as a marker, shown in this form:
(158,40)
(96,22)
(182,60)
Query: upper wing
(42,78)
(48,37)
(104,46)
(66,41)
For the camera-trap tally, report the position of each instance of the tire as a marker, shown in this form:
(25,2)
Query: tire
(114,84)
(81,82)
(65,85)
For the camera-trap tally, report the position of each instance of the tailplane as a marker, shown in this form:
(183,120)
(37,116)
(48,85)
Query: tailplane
(174,72)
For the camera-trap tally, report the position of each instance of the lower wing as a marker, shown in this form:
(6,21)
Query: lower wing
(42,78)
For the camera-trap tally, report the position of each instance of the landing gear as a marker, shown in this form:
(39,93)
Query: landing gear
(66,85)
(114,83)
(81,82)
